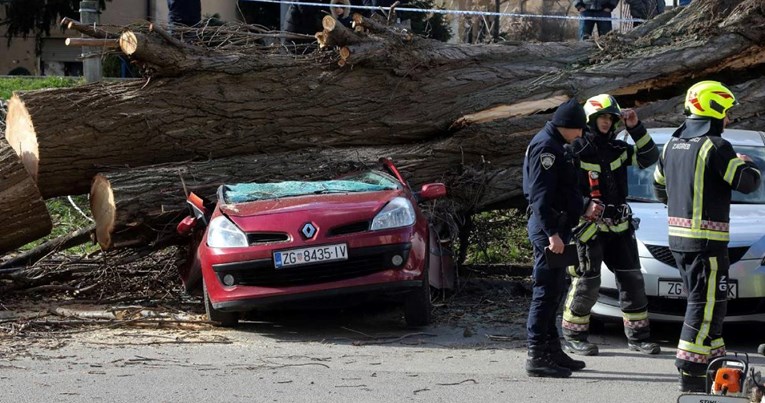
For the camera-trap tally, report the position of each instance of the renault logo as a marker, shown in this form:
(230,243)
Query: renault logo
(308,230)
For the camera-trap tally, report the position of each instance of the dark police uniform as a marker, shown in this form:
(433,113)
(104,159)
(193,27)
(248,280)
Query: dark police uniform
(551,188)
(694,177)
(612,239)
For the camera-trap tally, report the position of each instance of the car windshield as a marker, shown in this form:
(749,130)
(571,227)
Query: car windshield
(641,180)
(369,181)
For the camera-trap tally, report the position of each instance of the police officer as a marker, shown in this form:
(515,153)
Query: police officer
(694,177)
(555,202)
(609,235)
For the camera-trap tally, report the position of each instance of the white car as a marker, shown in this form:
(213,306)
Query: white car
(663,284)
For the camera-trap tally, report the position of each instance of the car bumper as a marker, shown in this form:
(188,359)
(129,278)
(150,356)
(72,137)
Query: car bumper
(366,291)
(608,307)
(749,306)
(369,267)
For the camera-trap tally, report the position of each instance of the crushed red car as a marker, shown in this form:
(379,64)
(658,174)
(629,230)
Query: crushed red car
(268,244)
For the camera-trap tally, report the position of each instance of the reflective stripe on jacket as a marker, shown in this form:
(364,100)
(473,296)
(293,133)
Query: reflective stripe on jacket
(610,159)
(695,177)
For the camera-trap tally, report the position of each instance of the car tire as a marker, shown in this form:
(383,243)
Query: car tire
(218,318)
(417,306)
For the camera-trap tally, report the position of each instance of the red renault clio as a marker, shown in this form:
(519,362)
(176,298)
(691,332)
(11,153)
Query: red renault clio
(265,244)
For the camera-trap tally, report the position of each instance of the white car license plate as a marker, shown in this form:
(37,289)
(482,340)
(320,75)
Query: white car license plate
(316,254)
(675,289)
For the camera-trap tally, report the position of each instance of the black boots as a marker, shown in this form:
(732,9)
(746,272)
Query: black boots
(580,347)
(562,359)
(540,363)
(693,383)
(645,347)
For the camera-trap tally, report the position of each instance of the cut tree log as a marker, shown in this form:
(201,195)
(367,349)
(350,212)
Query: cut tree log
(105,43)
(25,216)
(86,29)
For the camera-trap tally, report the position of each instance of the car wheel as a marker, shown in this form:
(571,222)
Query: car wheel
(417,306)
(219,318)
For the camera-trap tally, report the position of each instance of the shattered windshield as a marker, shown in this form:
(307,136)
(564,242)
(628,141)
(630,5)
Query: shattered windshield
(369,181)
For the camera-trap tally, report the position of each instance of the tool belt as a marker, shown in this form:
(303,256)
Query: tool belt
(613,215)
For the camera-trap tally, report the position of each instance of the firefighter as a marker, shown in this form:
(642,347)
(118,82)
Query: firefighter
(609,236)
(555,203)
(694,177)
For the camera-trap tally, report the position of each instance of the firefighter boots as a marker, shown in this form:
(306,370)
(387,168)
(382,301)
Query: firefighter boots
(580,347)
(645,347)
(693,383)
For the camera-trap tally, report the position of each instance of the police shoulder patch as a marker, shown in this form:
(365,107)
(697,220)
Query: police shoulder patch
(547,160)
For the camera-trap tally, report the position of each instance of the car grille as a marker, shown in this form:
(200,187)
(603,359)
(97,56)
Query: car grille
(257,238)
(361,262)
(664,255)
(360,226)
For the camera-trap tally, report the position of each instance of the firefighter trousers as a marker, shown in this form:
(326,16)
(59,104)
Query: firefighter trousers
(705,279)
(618,250)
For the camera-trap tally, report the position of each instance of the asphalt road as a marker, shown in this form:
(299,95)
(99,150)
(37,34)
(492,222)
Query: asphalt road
(333,356)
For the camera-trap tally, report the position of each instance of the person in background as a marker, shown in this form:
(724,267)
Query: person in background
(645,9)
(184,12)
(695,175)
(594,9)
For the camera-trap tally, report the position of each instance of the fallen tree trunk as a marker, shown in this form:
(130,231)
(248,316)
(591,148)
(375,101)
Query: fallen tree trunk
(396,94)
(139,206)
(25,216)
(481,166)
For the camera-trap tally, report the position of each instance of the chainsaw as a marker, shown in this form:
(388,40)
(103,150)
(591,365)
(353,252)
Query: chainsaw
(730,379)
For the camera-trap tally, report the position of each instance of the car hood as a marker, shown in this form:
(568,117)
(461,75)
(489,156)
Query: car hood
(340,206)
(747,223)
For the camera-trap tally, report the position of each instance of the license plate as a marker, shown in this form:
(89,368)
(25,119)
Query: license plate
(675,289)
(316,254)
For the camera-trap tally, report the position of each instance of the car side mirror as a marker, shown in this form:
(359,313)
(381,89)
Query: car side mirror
(198,209)
(186,226)
(431,191)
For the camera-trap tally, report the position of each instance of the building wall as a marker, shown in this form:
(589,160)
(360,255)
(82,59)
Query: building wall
(21,53)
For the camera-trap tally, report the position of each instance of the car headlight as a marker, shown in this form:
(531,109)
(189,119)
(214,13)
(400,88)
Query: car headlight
(222,233)
(397,213)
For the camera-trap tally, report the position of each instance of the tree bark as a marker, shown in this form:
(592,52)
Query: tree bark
(481,165)
(25,216)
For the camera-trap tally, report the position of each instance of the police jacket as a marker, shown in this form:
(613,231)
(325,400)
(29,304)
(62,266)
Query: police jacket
(694,177)
(550,183)
(603,166)
(596,5)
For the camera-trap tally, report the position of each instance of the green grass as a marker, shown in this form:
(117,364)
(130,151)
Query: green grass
(8,85)
(65,217)
(499,237)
